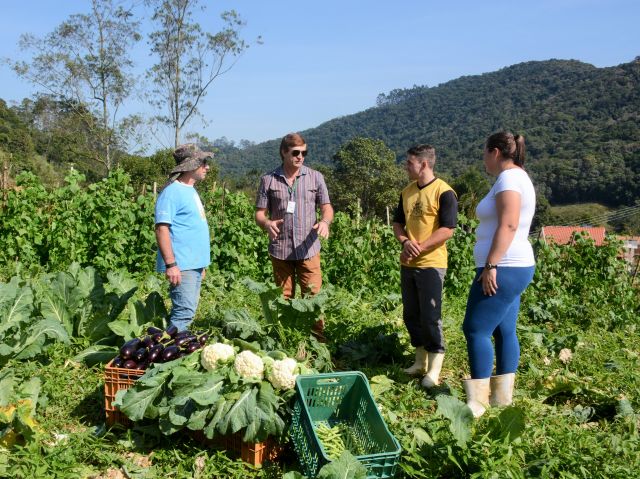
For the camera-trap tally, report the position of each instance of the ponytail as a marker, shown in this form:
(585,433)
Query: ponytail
(519,157)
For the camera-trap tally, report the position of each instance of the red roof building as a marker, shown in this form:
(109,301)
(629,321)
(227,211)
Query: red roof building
(564,234)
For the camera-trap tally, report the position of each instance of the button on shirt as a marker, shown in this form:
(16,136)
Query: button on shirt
(297,239)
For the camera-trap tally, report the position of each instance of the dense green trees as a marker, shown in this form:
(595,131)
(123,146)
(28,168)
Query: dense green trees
(365,176)
(581,124)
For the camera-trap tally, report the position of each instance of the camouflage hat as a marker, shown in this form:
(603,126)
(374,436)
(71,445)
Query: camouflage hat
(188,157)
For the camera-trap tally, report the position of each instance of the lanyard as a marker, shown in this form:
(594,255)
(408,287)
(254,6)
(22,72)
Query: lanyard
(292,188)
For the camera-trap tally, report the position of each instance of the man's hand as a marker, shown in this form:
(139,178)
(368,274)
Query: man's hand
(323,229)
(410,250)
(273,228)
(174,275)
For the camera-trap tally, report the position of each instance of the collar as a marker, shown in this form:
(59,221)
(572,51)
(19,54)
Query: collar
(279,171)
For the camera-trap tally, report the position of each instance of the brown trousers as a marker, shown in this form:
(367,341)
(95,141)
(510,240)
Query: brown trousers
(306,272)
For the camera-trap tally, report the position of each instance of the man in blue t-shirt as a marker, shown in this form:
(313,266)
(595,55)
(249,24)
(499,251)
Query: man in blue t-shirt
(182,233)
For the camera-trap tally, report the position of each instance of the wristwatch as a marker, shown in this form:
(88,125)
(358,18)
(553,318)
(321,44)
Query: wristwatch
(490,266)
(171,265)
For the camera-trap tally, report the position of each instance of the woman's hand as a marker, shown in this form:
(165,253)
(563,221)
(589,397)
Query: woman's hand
(489,280)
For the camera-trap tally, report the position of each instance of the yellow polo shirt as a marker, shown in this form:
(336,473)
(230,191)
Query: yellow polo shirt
(421,208)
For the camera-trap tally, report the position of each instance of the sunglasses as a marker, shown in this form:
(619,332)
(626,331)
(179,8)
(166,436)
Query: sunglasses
(299,152)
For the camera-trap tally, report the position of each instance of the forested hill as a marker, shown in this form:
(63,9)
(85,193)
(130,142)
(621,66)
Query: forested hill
(582,126)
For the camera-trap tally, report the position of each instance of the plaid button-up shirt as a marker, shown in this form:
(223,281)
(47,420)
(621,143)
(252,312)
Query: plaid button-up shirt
(297,239)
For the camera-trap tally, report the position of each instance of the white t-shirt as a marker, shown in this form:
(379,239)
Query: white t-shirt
(520,252)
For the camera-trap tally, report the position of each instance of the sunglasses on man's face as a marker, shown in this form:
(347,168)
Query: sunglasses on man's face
(299,152)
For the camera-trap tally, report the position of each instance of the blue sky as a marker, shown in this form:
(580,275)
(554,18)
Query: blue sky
(326,58)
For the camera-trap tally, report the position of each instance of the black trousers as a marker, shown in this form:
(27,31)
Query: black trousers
(422,304)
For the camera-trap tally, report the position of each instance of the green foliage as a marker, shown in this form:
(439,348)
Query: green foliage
(179,395)
(18,401)
(583,284)
(580,123)
(90,226)
(365,175)
(22,334)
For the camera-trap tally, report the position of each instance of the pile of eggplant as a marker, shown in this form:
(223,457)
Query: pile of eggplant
(158,346)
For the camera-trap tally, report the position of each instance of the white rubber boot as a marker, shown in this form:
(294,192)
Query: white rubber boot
(420,365)
(502,389)
(477,391)
(432,378)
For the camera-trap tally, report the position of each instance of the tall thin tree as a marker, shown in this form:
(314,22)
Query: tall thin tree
(85,61)
(189,58)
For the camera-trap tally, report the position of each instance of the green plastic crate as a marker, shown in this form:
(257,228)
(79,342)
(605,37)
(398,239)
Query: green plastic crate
(341,398)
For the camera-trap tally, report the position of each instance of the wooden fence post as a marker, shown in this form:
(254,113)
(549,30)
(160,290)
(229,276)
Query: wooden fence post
(155,190)
(388,223)
(5,176)
(224,193)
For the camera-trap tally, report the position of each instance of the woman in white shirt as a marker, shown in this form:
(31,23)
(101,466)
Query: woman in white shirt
(505,266)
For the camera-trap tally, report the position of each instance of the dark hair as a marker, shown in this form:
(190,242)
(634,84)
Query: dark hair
(292,139)
(425,152)
(510,146)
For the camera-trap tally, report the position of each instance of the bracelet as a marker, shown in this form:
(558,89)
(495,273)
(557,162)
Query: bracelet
(325,222)
(170,265)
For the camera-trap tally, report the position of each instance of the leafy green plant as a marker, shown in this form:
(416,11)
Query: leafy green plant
(18,401)
(179,394)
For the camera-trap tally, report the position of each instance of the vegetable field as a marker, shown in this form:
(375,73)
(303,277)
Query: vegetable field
(76,283)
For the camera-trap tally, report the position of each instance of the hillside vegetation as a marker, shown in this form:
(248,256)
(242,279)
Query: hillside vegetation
(581,125)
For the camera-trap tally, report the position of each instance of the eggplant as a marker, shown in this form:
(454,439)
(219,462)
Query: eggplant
(184,340)
(203,339)
(128,348)
(182,334)
(152,330)
(142,366)
(117,362)
(147,341)
(170,353)
(172,330)
(130,364)
(181,354)
(192,346)
(154,354)
(140,355)
(157,337)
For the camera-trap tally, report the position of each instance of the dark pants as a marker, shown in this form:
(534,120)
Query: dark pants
(422,304)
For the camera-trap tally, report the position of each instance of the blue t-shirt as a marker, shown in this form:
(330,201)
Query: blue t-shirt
(180,207)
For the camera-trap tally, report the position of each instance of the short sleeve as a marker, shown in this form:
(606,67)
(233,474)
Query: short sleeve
(448,212)
(322,196)
(262,199)
(165,208)
(398,216)
(507,182)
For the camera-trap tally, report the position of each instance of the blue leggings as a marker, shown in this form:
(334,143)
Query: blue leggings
(495,316)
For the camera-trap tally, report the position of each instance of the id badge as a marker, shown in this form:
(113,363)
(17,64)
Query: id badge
(291,207)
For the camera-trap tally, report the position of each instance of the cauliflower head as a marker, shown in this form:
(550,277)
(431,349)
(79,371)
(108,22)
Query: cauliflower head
(249,365)
(282,373)
(215,353)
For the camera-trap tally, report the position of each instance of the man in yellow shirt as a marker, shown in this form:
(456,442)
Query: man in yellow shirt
(424,220)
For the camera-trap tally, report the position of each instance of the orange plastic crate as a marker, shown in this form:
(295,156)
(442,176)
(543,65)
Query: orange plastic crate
(255,454)
(116,379)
